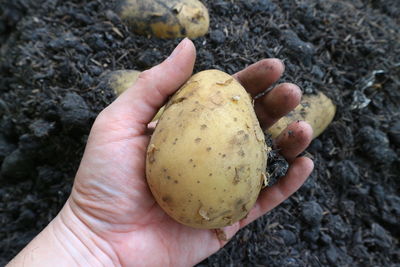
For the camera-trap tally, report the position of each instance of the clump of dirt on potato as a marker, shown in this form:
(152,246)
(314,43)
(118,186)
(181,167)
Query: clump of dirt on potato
(206,160)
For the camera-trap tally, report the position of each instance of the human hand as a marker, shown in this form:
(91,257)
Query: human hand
(111,217)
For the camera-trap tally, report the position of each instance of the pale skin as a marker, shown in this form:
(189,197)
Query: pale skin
(111,218)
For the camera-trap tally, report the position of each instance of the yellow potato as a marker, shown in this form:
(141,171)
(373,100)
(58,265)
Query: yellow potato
(206,160)
(165,18)
(318,110)
(119,80)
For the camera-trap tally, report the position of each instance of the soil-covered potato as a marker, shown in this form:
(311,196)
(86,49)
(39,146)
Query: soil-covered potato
(165,18)
(207,157)
(316,109)
(119,80)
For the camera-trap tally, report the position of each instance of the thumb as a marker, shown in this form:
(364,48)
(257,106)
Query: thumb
(155,85)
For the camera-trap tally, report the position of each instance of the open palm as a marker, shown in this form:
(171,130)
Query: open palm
(110,198)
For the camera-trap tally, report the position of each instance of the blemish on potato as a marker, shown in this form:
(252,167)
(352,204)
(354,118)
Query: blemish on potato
(259,134)
(210,174)
(239,202)
(217,99)
(228,218)
(225,83)
(204,214)
(244,208)
(236,178)
(197,140)
(151,153)
(176,182)
(235,119)
(240,138)
(203,127)
(208,149)
(236,98)
(167,199)
(179,100)
(264,180)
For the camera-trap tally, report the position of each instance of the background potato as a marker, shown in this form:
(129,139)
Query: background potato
(166,18)
(207,157)
(119,80)
(318,110)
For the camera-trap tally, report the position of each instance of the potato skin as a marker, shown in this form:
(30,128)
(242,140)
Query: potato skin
(165,19)
(318,110)
(206,160)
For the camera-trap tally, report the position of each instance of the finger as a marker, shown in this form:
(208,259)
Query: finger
(155,85)
(151,127)
(294,140)
(257,77)
(272,196)
(277,103)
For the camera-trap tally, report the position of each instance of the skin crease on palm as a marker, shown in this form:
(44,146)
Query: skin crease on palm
(111,217)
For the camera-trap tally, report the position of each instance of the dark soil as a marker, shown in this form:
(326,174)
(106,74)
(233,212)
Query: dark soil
(348,212)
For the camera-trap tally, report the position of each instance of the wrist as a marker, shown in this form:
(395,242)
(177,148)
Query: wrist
(66,241)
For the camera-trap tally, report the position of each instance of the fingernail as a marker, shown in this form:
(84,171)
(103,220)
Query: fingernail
(178,49)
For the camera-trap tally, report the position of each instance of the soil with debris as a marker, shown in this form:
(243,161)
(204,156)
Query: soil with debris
(347,213)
